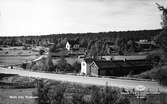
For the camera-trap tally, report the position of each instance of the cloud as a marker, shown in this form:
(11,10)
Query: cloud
(61,16)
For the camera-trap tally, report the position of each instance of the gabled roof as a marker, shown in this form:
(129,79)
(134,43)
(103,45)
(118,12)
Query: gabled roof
(134,57)
(105,64)
(88,60)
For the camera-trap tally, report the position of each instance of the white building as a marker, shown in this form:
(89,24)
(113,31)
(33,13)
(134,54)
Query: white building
(85,66)
(72,45)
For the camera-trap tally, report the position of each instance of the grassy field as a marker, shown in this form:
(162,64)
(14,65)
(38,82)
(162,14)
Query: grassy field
(17,96)
(16,55)
(6,60)
(16,51)
(11,95)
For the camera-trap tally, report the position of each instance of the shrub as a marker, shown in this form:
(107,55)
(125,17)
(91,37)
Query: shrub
(78,99)
(49,95)
(44,64)
(76,67)
(54,93)
(108,96)
(161,76)
(63,66)
(154,59)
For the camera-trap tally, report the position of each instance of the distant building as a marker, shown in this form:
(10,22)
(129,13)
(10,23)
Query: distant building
(115,65)
(72,45)
(117,68)
(133,57)
(123,58)
(146,45)
(85,66)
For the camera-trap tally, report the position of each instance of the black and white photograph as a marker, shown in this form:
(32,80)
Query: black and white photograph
(83,51)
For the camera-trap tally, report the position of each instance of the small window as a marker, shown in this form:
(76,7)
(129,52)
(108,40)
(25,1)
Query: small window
(83,64)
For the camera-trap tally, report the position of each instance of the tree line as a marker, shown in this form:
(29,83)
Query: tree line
(61,38)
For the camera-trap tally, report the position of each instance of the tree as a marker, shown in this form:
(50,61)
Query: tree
(107,96)
(162,76)
(42,93)
(131,46)
(164,16)
(84,42)
(63,66)
(50,95)
(44,64)
(76,67)
(53,48)
(49,63)
(93,51)
(162,37)
(122,44)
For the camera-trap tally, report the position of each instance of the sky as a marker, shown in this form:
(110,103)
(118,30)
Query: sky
(42,17)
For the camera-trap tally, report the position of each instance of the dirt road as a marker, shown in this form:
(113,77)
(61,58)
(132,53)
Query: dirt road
(129,84)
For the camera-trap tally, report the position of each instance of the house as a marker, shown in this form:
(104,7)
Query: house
(85,66)
(133,57)
(117,68)
(72,45)
(146,45)
(123,58)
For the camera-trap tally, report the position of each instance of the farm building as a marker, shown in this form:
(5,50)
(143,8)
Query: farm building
(123,58)
(114,67)
(85,66)
(146,45)
(133,57)
(72,45)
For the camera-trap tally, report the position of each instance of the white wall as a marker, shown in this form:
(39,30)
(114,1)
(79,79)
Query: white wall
(84,67)
(68,46)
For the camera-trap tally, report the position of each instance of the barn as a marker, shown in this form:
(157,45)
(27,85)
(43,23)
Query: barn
(118,68)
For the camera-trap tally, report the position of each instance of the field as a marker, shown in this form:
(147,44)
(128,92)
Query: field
(17,96)
(9,94)
(17,51)
(16,55)
(8,60)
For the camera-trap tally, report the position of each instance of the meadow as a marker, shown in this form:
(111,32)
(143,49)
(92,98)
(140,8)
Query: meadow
(16,55)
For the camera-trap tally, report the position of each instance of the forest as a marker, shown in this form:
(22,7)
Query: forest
(61,38)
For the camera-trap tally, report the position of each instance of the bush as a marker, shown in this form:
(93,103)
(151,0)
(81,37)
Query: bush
(154,59)
(157,73)
(48,95)
(161,76)
(44,64)
(78,99)
(76,67)
(54,93)
(107,96)
(63,66)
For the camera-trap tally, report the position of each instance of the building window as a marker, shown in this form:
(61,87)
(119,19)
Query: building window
(83,64)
